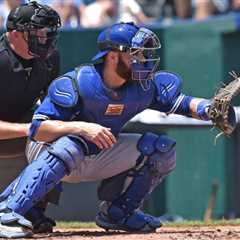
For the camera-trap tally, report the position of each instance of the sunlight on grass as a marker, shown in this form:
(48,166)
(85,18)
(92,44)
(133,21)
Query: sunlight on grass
(223,222)
(76,224)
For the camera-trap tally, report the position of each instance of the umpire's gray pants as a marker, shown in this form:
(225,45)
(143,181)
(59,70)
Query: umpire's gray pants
(110,162)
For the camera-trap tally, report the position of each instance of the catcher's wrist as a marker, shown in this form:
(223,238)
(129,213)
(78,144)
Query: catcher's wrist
(207,112)
(203,109)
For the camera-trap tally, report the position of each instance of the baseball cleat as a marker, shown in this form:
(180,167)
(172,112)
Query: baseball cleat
(13,225)
(136,222)
(14,231)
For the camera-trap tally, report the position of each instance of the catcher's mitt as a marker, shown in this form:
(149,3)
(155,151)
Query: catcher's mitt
(220,111)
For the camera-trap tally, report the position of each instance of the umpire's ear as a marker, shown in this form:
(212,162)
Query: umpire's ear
(16,35)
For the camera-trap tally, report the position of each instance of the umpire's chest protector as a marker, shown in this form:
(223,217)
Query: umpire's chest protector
(21,86)
(105,106)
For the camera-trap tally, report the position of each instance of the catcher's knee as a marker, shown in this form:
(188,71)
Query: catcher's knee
(160,152)
(68,149)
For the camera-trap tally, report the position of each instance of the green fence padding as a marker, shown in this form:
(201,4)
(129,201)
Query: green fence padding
(76,47)
(199,165)
(200,54)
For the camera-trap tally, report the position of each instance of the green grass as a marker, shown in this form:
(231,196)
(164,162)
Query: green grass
(223,222)
(76,224)
(201,223)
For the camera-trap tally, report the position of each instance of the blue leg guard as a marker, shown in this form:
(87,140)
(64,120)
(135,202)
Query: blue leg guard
(156,161)
(4,195)
(36,181)
(36,215)
(43,174)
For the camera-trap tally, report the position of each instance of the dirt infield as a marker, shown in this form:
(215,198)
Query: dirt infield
(165,233)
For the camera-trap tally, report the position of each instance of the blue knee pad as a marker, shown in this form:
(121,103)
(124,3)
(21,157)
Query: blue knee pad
(159,155)
(43,174)
(69,150)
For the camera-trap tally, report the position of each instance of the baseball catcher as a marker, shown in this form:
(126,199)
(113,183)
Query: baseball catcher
(220,111)
(77,134)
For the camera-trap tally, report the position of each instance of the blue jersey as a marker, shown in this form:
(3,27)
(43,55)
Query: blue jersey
(82,95)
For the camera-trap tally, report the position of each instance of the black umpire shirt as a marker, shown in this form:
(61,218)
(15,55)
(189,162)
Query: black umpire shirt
(23,82)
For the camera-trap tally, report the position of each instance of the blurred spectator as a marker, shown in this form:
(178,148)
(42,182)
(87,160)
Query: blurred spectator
(5,7)
(131,11)
(183,8)
(166,10)
(235,5)
(67,9)
(69,12)
(98,14)
(206,8)
(152,8)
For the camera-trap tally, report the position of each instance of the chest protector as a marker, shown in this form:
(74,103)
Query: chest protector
(84,90)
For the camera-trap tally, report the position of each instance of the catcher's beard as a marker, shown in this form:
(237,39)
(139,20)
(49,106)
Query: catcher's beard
(123,70)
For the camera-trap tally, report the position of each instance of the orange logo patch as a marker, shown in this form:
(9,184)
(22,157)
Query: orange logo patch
(114,109)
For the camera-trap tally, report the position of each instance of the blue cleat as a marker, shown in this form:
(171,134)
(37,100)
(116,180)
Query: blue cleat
(13,225)
(108,218)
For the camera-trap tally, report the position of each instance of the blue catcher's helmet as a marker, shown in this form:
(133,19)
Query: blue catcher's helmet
(141,43)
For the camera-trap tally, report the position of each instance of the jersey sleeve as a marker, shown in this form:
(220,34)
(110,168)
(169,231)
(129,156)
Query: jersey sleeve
(48,110)
(170,99)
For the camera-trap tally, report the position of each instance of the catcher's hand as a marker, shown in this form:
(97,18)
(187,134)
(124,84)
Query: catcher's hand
(220,111)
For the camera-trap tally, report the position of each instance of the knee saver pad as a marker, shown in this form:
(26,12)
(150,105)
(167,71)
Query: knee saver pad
(160,150)
(69,150)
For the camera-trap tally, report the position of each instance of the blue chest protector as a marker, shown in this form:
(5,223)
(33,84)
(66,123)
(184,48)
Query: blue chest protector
(83,90)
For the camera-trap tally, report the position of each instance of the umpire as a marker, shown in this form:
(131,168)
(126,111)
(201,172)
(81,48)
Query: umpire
(29,62)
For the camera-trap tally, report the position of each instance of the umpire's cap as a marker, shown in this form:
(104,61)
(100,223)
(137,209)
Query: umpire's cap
(118,37)
(32,15)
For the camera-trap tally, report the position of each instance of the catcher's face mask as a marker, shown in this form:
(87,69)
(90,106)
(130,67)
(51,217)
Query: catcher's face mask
(144,56)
